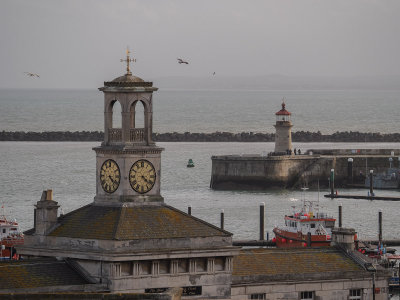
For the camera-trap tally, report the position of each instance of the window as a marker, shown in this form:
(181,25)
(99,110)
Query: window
(312,225)
(355,294)
(145,267)
(164,267)
(219,264)
(126,268)
(183,266)
(4,230)
(201,265)
(258,296)
(307,295)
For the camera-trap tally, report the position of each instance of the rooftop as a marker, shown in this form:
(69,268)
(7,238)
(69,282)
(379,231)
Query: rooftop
(132,223)
(37,273)
(292,264)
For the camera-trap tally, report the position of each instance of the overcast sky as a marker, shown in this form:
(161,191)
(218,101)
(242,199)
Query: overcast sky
(78,44)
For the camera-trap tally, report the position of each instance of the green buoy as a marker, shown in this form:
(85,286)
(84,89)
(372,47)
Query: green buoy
(190,163)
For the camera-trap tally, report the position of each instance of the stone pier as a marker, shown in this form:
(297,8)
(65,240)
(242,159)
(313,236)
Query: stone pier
(258,172)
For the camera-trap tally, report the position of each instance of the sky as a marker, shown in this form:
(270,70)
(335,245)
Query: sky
(79,44)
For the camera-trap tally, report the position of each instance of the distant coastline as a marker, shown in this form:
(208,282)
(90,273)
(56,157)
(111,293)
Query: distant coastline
(299,136)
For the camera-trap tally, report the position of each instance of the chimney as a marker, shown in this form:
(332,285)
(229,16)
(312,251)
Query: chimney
(46,211)
(343,237)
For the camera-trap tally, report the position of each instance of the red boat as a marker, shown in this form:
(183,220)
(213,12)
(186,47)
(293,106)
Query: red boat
(305,228)
(10,236)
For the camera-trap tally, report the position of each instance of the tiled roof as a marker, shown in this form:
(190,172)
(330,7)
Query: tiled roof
(37,273)
(132,223)
(278,262)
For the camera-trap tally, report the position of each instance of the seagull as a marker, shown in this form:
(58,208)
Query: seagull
(32,74)
(181,61)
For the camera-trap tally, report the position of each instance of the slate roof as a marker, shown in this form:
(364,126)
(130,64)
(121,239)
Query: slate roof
(132,223)
(37,273)
(290,263)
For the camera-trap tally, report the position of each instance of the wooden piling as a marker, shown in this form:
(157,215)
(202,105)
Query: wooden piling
(380,226)
(189,210)
(262,216)
(340,215)
(222,219)
(332,181)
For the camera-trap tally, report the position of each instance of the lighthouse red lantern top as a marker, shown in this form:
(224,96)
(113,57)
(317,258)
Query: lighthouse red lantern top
(283,115)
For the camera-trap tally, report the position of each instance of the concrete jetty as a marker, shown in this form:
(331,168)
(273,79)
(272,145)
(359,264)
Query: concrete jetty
(257,172)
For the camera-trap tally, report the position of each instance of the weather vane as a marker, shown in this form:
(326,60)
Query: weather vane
(128,60)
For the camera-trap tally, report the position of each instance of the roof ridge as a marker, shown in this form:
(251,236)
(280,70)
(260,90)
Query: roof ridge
(197,219)
(122,211)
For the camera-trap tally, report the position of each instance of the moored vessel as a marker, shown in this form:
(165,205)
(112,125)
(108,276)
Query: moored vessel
(10,236)
(306,227)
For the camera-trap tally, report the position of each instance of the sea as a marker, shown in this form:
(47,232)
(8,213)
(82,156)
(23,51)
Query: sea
(68,168)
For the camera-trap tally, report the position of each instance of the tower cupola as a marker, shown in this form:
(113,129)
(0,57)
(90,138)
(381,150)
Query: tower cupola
(283,134)
(129,91)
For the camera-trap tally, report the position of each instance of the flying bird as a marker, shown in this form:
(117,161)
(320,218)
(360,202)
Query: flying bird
(214,73)
(181,61)
(32,74)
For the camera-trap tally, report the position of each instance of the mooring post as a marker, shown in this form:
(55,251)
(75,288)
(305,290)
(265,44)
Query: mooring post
(340,215)
(371,183)
(332,181)
(262,216)
(350,170)
(309,239)
(222,219)
(380,227)
(189,210)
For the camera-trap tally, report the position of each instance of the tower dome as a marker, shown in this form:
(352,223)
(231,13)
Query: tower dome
(283,115)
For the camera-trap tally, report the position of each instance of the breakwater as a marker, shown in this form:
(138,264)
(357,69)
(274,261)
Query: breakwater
(312,169)
(299,136)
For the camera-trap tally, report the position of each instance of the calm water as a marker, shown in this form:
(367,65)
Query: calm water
(68,168)
(207,111)
(27,168)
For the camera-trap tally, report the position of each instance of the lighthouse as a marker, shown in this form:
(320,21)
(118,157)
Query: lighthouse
(283,126)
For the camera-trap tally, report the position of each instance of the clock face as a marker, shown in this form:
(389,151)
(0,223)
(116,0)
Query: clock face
(142,176)
(110,176)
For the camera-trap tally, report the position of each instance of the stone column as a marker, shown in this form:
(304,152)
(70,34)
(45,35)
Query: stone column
(126,120)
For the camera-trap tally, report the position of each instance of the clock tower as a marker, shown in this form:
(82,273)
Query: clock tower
(128,163)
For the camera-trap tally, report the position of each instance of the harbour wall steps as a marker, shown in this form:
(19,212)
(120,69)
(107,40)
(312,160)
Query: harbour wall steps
(265,171)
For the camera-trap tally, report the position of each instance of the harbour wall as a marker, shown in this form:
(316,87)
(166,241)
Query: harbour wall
(258,172)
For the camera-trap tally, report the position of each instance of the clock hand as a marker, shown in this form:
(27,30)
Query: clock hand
(112,180)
